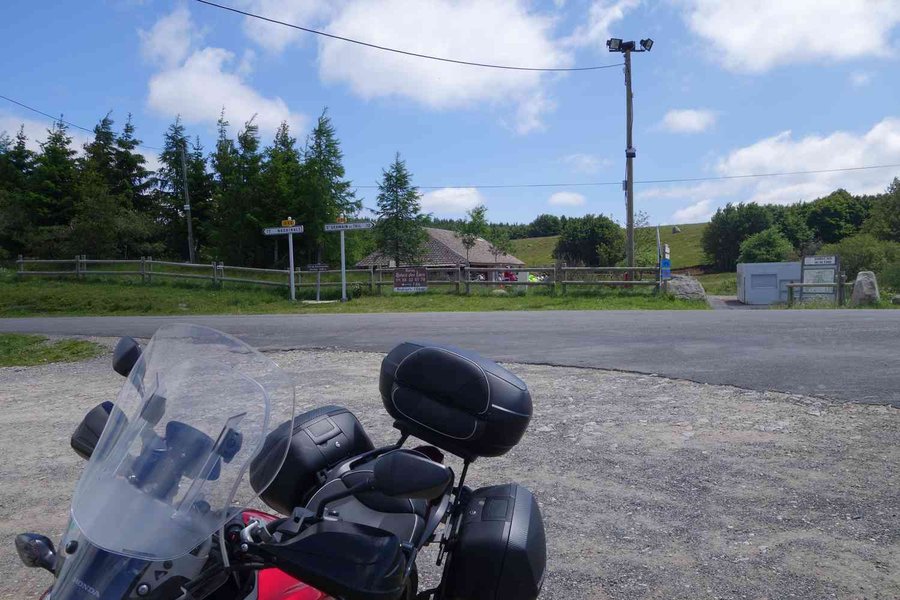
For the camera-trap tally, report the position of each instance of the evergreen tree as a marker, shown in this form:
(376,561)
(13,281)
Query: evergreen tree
(131,178)
(54,178)
(398,231)
(281,181)
(324,193)
(100,153)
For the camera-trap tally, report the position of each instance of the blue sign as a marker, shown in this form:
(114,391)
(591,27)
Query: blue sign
(665,268)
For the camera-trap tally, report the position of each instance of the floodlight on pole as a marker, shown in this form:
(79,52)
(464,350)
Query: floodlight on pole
(626,48)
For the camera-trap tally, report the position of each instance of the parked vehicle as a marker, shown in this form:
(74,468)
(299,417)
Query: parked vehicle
(204,425)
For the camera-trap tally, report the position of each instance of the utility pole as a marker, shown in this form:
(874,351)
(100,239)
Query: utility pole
(630,153)
(626,48)
(187,204)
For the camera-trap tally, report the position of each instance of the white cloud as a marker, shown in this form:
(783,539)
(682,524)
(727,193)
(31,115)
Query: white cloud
(585,163)
(697,212)
(169,40)
(757,36)
(200,82)
(688,120)
(567,199)
(497,31)
(274,37)
(601,16)
(860,78)
(451,201)
(783,152)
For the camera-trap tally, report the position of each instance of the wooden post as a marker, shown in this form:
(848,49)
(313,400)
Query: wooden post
(143,270)
(20,265)
(215,277)
(468,281)
(458,279)
(84,266)
(149,269)
(77,266)
(790,295)
(842,281)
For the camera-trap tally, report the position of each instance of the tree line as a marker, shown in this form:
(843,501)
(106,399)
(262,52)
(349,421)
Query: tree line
(863,229)
(106,203)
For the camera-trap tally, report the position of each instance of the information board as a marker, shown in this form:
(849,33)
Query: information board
(411,279)
(819,269)
(665,268)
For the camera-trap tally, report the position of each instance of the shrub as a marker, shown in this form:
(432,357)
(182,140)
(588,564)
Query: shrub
(766,246)
(865,252)
(728,228)
(592,240)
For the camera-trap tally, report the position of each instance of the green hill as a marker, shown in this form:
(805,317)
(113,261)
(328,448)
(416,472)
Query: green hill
(685,247)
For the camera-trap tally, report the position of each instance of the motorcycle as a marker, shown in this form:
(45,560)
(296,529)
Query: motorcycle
(205,427)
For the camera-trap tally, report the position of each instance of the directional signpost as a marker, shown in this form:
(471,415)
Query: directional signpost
(288,227)
(343,226)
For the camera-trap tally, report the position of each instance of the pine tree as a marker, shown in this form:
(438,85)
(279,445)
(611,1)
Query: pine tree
(100,153)
(325,194)
(54,178)
(281,174)
(131,178)
(398,232)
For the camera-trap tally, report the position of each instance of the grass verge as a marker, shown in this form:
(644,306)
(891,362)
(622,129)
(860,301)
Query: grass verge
(26,350)
(719,284)
(121,297)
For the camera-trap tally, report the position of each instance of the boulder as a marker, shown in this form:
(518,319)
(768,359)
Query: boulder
(685,287)
(895,299)
(676,229)
(865,290)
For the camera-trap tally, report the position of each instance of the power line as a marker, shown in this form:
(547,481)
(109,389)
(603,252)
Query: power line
(406,52)
(60,119)
(647,181)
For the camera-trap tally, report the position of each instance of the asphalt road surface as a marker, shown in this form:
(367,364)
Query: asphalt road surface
(847,355)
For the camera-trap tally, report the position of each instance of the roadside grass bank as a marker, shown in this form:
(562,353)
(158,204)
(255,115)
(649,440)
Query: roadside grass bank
(719,284)
(17,350)
(123,297)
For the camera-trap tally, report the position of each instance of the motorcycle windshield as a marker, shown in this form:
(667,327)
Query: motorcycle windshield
(196,410)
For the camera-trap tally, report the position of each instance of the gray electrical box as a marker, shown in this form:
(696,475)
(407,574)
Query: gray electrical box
(765,283)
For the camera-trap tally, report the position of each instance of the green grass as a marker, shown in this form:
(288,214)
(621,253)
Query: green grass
(685,247)
(719,284)
(25,350)
(536,251)
(121,297)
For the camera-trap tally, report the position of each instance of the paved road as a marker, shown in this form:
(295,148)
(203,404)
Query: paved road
(850,355)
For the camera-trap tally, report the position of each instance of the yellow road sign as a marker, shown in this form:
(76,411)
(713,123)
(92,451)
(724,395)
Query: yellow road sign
(289,222)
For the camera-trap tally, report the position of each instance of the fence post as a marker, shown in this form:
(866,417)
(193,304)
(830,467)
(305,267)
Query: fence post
(458,278)
(143,270)
(149,269)
(20,264)
(790,295)
(215,277)
(468,280)
(221,267)
(77,266)
(842,281)
(84,266)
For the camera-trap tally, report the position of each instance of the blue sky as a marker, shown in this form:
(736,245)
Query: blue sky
(730,88)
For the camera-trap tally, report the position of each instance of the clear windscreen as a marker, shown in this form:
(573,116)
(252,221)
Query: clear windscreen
(197,409)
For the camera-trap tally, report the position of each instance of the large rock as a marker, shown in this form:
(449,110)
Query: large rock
(865,290)
(685,287)
(895,299)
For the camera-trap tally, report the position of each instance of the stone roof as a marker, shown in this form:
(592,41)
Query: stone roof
(444,249)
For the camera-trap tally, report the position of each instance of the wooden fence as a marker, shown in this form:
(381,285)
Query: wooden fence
(458,279)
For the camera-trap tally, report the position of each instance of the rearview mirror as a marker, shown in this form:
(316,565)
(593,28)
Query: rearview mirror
(126,353)
(404,474)
(36,550)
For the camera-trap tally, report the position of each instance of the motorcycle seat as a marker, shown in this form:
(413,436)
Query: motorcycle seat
(404,517)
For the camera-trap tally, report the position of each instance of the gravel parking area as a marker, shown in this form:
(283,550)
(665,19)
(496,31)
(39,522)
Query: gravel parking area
(650,487)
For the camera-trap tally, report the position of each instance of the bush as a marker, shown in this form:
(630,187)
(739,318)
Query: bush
(766,246)
(592,240)
(889,279)
(865,252)
(884,220)
(728,228)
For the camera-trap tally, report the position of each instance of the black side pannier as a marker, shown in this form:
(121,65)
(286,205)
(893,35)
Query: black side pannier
(321,438)
(454,399)
(501,552)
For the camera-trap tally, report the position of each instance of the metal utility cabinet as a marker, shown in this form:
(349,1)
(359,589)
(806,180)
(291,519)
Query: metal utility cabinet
(765,283)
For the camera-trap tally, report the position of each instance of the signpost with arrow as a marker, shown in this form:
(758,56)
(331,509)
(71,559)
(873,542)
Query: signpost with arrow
(288,227)
(342,225)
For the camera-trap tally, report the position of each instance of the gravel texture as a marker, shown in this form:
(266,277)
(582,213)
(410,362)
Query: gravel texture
(650,487)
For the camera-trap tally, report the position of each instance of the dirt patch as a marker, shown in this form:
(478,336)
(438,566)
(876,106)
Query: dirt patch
(650,487)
